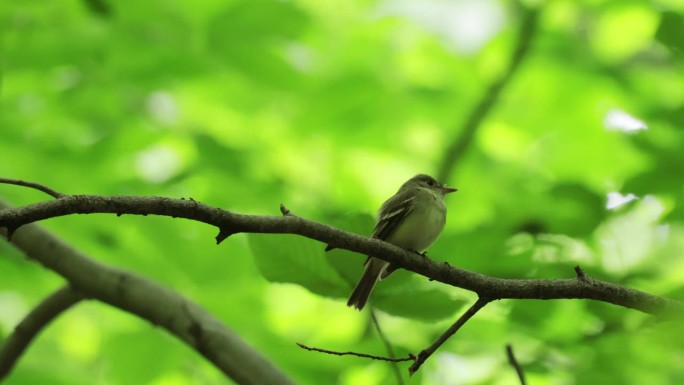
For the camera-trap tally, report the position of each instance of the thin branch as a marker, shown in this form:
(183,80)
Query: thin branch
(35,321)
(388,347)
(151,301)
(514,363)
(36,186)
(423,355)
(484,286)
(457,149)
(363,355)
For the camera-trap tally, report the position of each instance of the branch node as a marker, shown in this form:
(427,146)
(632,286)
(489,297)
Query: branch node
(580,274)
(10,231)
(285,211)
(224,232)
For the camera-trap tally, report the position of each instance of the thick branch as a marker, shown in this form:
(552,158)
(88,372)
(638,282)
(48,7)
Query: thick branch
(148,300)
(484,286)
(457,149)
(16,343)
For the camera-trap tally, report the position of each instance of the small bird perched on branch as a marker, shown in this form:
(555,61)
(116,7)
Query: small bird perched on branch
(412,219)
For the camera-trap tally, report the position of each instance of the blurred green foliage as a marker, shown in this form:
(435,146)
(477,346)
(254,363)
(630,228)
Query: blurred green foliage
(328,107)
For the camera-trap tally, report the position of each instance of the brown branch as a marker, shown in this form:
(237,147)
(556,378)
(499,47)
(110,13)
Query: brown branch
(423,355)
(35,321)
(363,355)
(514,363)
(148,300)
(388,347)
(485,286)
(36,186)
(458,147)
(580,273)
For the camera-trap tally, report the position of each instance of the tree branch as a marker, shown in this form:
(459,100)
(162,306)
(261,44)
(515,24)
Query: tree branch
(146,299)
(35,186)
(457,148)
(485,286)
(514,363)
(50,308)
(426,353)
(388,347)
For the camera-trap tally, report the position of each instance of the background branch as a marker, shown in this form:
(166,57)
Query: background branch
(455,151)
(485,286)
(23,334)
(151,301)
(514,363)
(388,347)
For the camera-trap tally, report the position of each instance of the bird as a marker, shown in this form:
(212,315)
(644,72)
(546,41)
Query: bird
(412,218)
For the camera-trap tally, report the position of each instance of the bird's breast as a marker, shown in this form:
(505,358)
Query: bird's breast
(422,226)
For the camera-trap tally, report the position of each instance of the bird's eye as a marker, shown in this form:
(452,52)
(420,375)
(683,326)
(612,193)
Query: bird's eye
(430,182)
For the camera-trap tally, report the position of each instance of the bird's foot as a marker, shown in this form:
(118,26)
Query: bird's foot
(423,254)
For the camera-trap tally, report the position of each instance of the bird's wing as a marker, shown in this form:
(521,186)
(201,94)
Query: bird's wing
(392,213)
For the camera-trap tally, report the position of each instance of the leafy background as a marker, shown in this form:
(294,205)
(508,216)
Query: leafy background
(328,107)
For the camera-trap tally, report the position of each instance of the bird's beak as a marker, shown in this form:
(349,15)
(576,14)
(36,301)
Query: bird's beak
(447,190)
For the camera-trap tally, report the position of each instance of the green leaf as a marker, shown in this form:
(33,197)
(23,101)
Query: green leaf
(407,294)
(293,259)
(349,265)
(671,31)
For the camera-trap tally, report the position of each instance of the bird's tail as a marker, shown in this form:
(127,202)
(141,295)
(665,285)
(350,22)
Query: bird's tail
(363,289)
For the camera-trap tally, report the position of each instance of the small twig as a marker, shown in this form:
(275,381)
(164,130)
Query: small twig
(16,343)
(458,147)
(363,355)
(33,185)
(284,210)
(580,273)
(388,346)
(514,363)
(423,355)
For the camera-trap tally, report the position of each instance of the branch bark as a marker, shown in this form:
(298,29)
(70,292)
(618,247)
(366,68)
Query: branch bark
(230,223)
(157,304)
